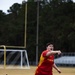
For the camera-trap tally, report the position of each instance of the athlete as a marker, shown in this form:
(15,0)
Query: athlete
(46,62)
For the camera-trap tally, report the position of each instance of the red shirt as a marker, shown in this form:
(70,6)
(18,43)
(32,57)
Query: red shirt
(45,64)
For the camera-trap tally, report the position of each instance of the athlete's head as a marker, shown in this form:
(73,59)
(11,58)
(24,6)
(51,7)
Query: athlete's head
(49,46)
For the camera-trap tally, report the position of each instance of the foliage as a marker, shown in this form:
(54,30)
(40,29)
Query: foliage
(56,24)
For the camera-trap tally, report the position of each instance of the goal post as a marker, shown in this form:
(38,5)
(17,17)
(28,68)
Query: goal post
(14,58)
(4,55)
(21,55)
(23,41)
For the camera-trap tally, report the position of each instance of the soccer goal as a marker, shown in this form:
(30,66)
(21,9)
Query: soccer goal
(14,59)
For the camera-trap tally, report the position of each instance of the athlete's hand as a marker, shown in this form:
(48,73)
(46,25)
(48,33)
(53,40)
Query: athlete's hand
(59,52)
(59,71)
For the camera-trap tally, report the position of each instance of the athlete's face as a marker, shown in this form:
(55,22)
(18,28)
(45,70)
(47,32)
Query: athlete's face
(50,47)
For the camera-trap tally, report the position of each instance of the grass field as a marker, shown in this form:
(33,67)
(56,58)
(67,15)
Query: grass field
(65,71)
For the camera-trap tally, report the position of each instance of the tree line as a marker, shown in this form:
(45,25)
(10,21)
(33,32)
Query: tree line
(56,25)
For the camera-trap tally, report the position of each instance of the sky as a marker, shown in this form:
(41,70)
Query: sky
(5,4)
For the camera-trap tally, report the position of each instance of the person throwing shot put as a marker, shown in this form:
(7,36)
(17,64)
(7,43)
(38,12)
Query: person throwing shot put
(46,63)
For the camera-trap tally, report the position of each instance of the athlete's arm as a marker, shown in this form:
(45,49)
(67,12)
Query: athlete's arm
(53,52)
(54,65)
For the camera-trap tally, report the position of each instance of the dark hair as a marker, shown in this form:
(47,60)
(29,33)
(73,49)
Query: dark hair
(49,44)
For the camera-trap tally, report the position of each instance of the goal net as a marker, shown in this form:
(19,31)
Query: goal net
(14,59)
